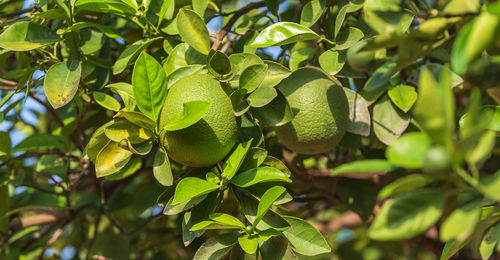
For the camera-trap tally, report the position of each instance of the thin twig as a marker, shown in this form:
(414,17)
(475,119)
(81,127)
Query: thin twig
(223,32)
(37,154)
(49,109)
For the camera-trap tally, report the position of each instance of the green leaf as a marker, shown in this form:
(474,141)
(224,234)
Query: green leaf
(106,101)
(216,247)
(5,145)
(490,240)
(275,74)
(249,244)
(275,249)
(130,53)
(150,85)
(254,158)
(262,96)
(332,61)
(182,55)
(359,116)
(218,63)
(277,113)
(126,93)
(362,167)
(235,159)
(208,224)
(226,220)
(272,6)
(311,12)
(139,148)
(403,96)
(249,206)
(25,36)
(193,30)
(461,222)
(388,121)
(239,102)
(266,201)
(403,185)
(283,33)
(435,107)
(111,159)
(199,6)
(192,112)
(97,141)
(4,207)
(348,37)
(259,175)
(385,22)
(407,215)
(460,61)
(380,77)
(61,82)
(132,167)
(490,185)
(304,238)
(409,150)
(106,6)
(123,129)
(192,187)
(138,119)
(161,168)
(300,53)
(39,141)
(359,202)
(184,72)
(158,9)
(252,77)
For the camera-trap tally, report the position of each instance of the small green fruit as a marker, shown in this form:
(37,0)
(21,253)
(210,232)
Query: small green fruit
(360,60)
(437,161)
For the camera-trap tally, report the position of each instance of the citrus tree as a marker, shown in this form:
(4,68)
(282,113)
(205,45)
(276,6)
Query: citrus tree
(162,129)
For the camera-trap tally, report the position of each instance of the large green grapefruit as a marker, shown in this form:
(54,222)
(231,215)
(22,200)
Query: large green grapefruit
(210,139)
(321,112)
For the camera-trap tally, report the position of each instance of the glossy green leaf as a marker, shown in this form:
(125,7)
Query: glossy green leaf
(403,185)
(239,102)
(387,21)
(184,72)
(348,37)
(209,224)
(130,53)
(266,201)
(106,101)
(490,241)
(254,158)
(106,6)
(403,96)
(249,206)
(161,168)
(407,215)
(157,10)
(226,219)
(218,63)
(216,247)
(388,121)
(304,238)
(283,33)
(193,30)
(25,36)
(359,202)
(278,112)
(275,249)
(235,159)
(359,116)
(199,6)
(192,187)
(332,61)
(111,159)
(311,12)
(249,244)
(61,82)
(339,19)
(300,53)
(262,96)
(192,112)
(150,85)
(252,77)
(275,74)
(126,93)
(259,175)
(461,222)
(183,55)
(409,150)
(97,141)
(139,119)
(363,167)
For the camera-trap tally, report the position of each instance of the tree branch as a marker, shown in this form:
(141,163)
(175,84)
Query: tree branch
(36,154)
(223,32)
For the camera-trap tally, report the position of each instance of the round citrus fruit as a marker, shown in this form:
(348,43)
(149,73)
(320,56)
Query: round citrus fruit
(360,60)
(437,161)
(321,112)
(210,139)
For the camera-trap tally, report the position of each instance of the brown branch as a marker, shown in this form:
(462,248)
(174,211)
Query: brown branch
(37,154)
(223,32)
(7,87)
(40,219)
(49,109)
(8,82)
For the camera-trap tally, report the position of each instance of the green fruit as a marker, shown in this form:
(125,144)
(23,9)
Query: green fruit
(210,139)
(360,60)
(437,161)
(321,112)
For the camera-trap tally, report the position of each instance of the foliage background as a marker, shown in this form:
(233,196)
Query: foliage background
(73,214)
